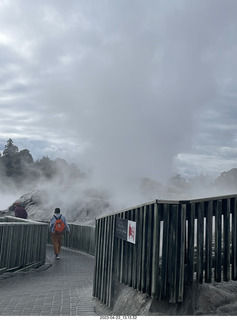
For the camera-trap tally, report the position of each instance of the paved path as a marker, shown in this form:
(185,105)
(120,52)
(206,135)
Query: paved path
(60,287)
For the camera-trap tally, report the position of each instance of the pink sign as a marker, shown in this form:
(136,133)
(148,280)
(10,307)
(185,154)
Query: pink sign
(131,234)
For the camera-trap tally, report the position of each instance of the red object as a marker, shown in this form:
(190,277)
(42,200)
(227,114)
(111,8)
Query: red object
(131,232)
(59,226)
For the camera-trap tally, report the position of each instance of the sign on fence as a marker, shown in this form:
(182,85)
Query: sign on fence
(125,230)
(131,237)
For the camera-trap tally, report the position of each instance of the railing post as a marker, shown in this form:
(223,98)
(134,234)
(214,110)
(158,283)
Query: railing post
(156,250)
(234,238)
(226,240)
(191,233)
(181,253)
(209,240)
(163,292)
(173,254)
(218,211)
(200,242)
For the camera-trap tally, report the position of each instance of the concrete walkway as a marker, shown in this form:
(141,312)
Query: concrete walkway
(60,287)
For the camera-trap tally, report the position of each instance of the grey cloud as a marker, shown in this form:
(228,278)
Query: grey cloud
(129,79)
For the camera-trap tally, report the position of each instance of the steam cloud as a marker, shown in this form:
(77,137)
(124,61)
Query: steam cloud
(120,86)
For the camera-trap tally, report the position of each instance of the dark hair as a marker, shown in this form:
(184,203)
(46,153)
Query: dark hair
(57,210)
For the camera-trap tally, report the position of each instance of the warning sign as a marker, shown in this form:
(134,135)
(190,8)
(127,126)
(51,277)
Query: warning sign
(126,230)
(131,235)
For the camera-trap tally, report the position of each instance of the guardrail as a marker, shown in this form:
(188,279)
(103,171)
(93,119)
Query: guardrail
(22,243)
(176,243)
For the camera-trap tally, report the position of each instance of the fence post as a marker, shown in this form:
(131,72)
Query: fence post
(139,246)
(226,240)
(111,261)
(173,245)
(218,208)
(149,247)
(200,242)
(156,251)
(165,251)
(234,238)
(191,233)
(209,239)
(144,251)
(181,251)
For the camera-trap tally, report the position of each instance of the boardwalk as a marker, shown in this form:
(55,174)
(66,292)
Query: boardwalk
(62,287)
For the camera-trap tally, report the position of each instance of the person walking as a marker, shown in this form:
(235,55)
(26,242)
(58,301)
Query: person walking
(58,224)
(20,212)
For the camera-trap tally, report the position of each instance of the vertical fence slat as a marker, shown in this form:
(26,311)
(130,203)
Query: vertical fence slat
(190,258)
(149,248)
(111,262)
(134,270)
(119,256)
(155,256)
(139,247)
(226,240)
(121,274)
(200,242)
(104,261)
(218,238)
(165,251)
(144,253)
(95,279)
(181,253)
(101,258)
(234,238)
(125,257)
(209,240)
(173,245)
(130,257)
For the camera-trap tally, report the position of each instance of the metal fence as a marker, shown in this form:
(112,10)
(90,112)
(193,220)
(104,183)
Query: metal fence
(177,243)
(22,243)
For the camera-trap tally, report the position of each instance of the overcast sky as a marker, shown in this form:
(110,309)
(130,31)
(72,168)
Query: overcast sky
(128,88)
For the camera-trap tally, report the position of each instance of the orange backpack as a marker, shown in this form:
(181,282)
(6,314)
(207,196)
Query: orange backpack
(59,226)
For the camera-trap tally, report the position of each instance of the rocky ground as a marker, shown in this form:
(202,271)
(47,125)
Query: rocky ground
(217,299)
(79,208)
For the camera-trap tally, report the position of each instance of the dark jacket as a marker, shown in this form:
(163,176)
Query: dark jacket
(20,212)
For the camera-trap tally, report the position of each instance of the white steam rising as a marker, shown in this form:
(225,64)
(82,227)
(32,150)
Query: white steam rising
(121,87)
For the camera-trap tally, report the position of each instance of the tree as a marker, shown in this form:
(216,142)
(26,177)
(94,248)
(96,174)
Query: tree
(25,156)
(19,167)
(46,167)
(9,158)
(10,150)
(16,164)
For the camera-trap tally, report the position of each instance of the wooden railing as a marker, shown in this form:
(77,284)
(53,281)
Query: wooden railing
(177,243)
(22,243)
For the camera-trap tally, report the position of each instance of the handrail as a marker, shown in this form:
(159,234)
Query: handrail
(22,243)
